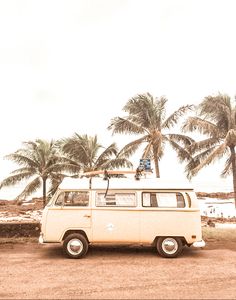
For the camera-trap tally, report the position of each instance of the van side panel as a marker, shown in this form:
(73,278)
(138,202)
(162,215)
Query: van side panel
(61,219)
(116,224)
(158,222)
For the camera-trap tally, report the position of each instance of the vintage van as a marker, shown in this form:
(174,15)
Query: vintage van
(148,211)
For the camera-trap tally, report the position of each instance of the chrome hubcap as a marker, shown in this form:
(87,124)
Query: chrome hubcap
(75,246)
(169,245)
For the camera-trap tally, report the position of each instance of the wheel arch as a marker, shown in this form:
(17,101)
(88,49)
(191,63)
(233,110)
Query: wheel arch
(182,238)
(71,231)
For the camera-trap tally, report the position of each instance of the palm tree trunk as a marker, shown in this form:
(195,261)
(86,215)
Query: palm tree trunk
(156,163)
(232,150)
(44,192)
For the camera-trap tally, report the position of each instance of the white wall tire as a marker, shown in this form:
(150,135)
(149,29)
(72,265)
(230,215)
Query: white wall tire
(169,247)
(75,245)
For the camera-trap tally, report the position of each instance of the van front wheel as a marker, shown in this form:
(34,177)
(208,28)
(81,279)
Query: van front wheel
(75,245)
(169,246)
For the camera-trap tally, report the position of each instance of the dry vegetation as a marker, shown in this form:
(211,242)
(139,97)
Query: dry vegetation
(219,234)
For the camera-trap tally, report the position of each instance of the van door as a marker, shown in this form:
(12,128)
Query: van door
(71,210)
(116,218)
(162,215)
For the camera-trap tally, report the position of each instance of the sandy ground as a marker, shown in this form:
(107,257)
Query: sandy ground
(30,271)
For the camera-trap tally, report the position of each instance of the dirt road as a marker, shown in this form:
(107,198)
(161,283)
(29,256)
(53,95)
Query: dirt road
(32,271)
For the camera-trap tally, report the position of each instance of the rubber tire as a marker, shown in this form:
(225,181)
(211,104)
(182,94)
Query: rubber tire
(162,252)
(83,241)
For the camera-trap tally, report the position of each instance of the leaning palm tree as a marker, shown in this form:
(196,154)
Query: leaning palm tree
(39,162)
(216,119)
(146,117)
(89,155)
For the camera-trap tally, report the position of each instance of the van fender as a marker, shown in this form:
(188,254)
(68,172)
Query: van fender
(184,242)
(71,231)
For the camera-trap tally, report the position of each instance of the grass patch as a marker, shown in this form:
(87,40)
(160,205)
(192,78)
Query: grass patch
(219,234)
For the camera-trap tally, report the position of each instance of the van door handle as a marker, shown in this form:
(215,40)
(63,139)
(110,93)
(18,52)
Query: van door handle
(87,216)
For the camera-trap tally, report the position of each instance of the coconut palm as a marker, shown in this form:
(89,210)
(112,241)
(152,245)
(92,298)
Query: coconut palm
(86,152)
(216,119)
(40,161)
(146,117)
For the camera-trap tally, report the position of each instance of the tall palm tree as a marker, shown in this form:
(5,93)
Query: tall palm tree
(146,117)
(39,161)
(89,155)
(216,119)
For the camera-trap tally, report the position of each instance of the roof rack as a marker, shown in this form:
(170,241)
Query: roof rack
(106,173)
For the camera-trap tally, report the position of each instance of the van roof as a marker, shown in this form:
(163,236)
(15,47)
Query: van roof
(123,183)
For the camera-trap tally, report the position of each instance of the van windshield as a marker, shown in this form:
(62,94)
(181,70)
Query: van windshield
(73,198)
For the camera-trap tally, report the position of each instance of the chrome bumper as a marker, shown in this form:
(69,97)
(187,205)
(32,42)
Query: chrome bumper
(41,238)
(199,244)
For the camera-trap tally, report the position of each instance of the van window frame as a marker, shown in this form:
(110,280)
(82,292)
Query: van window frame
(134,193)
(71,191)
(189,199)
(164,192)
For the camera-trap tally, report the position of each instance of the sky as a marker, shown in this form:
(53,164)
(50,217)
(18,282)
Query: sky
(70,66)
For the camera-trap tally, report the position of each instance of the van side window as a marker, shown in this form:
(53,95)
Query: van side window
(150,199)
(189,199)
(180,200)
(164,200)
(73,198)
(116,199)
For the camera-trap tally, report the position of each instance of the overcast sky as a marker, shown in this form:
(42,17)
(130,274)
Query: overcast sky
(70,66)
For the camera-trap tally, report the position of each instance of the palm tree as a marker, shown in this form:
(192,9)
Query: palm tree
(146,117)
(40,161)
(89,155)
(216,119)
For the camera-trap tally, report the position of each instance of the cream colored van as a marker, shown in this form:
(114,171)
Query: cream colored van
(122,211)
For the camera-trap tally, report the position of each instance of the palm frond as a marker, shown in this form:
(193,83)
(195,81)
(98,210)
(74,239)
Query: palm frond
(32,145)
(191,165)
(63,167)
(228,167)
(196,160)
(202,126)
(118,163)
(146,111)
(23,170)
(174,118)
(31,187)
(81,148)
(107,154)
(55,180)
(138,103)
(132,147)
(182,153)
(160,112)
(220,103)
(14,179)
(217,109)
(203,145)
(21,160)
(147,152)
(185,140)
(125,125)
(218,152)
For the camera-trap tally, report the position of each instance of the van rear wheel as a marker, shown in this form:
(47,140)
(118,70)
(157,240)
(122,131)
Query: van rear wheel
(169,247)
(75,245)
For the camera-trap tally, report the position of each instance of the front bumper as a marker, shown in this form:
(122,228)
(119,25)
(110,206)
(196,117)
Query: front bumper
(199,244)
(41,241)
